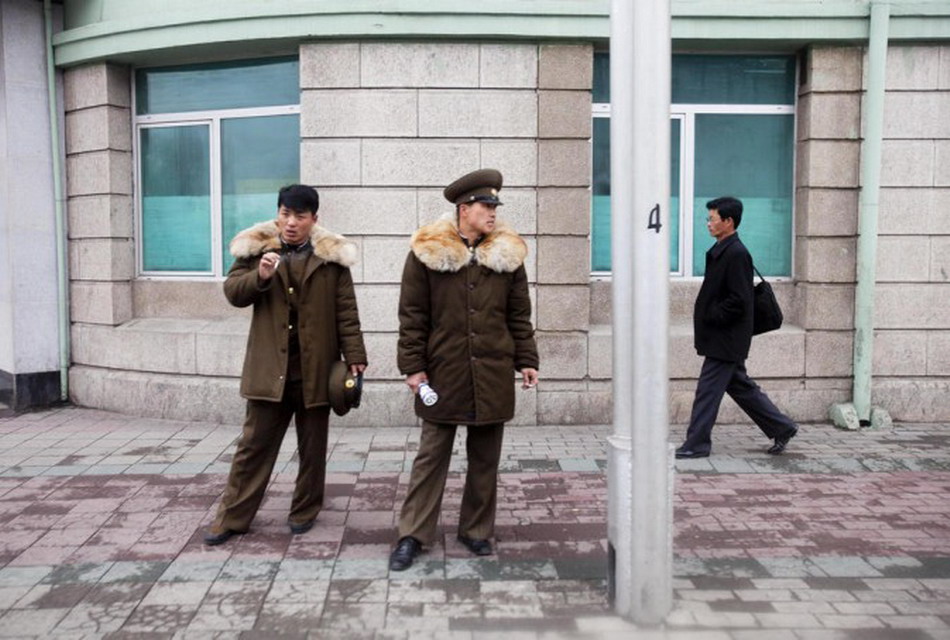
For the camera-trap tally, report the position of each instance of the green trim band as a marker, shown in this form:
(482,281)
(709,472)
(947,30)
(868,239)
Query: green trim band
(163,31)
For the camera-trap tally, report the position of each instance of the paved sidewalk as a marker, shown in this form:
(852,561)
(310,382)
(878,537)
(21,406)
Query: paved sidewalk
(847,536)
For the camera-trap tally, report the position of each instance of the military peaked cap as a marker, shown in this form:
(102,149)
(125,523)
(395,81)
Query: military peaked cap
(345,389)
(478,186)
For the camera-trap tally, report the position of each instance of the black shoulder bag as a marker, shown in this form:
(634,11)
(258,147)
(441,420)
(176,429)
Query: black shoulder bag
(766,314)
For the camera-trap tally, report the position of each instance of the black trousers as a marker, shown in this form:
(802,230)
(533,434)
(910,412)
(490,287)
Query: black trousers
(718,377)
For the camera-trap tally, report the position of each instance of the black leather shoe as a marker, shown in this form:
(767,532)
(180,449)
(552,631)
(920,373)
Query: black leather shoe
(297,528)
(781,442)
(405,552)
(478,547)
(689,453)
(213,539)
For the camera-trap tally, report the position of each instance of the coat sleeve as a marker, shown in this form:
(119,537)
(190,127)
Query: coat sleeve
(348,320)
(414,317)
(519,321)
(242,287)
(736,301)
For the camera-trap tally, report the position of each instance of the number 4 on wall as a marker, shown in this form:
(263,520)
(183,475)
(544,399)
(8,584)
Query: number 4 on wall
(654,221)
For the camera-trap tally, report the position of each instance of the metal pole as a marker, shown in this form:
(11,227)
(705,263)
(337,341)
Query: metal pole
(62,281)
(639,497)
(868,210)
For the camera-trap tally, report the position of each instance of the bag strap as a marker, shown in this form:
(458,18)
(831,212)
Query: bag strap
(757,272)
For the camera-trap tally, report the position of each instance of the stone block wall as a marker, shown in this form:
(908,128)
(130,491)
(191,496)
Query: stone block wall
(385,126)
(827,188)
(912,302)
(99,173)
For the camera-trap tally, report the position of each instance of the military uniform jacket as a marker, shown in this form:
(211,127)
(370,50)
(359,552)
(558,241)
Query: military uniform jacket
(465,319)
(328,318)
(722,316)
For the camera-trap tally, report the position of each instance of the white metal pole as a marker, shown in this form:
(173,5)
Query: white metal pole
(639,497)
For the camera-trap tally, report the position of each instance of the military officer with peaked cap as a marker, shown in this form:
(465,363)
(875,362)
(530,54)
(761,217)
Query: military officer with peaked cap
(464,328)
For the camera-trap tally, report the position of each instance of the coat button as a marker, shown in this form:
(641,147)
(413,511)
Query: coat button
(290,326)
(290,290)
(474,358)
(471,311)
(280,377)
(472,334)
(471,285)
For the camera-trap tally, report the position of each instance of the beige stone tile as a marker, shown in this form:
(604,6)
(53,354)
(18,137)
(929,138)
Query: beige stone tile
(413,64)
(912,67)
(99,216)
(330,162)
(563,66)
(563,260)
(835,68)
(107,303)
(828,353)
(417,162)
(354,113)
(516,159)
(330,65)
(481,113)
(564,114)
(826,212)
(563,308)
(903,258)
(508,65)
(917,114)
(564,211)
(907,163)
(96,84)
(900,353)
(564,163)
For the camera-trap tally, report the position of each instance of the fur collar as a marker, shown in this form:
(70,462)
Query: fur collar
(439,247)
(264,236)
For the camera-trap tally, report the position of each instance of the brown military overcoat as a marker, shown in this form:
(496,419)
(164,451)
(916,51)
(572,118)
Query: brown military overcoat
(465,319)
(328,319)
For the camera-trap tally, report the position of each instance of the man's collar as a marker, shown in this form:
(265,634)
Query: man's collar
(469,243)
(286,247)
(716,250)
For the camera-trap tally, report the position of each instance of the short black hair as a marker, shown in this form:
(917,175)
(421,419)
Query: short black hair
(728,207)
(299,197)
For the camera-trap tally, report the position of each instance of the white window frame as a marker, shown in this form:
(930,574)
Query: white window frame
(211,118)
(687,114)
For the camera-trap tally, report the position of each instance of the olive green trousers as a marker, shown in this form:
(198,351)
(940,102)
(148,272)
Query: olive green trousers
(264,427)
(420,511)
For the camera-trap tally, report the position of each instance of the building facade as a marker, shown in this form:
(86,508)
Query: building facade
(180,124)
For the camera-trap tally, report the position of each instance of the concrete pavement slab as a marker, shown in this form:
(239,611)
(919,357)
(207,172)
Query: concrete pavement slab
(846,536)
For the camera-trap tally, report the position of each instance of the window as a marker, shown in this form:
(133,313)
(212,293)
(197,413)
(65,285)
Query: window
(215,143)
(732,133)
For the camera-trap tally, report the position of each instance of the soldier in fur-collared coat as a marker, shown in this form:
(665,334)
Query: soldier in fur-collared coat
(296,275)
(465,328)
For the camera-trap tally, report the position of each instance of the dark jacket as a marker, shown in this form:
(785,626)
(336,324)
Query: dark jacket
(722,317)
(465,319)
(328,319)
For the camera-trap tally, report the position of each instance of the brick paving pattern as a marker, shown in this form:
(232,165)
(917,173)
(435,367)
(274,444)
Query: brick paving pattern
(847,536)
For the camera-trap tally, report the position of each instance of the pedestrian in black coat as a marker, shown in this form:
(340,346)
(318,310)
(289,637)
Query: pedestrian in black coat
(722,330)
